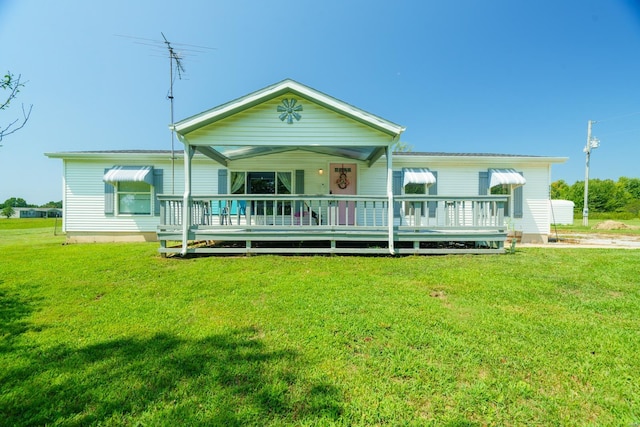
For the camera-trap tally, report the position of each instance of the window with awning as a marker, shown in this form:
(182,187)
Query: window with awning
(129,190)
(418,181)
(418,176)
(509,177)
(129,174)
(508,182)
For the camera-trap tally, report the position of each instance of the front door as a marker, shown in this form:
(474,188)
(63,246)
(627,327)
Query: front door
(343,180)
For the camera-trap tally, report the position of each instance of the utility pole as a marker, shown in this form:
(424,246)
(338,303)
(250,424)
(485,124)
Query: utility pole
(592,143)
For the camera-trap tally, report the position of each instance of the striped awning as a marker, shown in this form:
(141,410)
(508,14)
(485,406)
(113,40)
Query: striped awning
(418,176)
(505,177)
(129,174)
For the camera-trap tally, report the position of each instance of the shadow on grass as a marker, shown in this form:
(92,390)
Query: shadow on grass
(228,379)
(14,309)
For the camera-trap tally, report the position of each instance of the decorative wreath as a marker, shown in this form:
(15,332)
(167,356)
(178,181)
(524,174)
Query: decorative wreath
(342,181)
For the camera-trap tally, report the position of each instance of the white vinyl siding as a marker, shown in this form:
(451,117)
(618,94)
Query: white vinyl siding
(461,179)
(260,125)
(84,195)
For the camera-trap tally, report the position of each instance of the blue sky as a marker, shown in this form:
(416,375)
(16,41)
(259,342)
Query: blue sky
(494,76)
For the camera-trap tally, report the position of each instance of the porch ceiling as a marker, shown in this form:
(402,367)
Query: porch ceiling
(224,154)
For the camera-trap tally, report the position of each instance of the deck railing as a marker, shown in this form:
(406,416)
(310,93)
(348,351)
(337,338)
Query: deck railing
(451,212)
(414,211)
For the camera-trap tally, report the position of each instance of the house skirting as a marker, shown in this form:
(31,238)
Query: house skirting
(534,238)
(110,237)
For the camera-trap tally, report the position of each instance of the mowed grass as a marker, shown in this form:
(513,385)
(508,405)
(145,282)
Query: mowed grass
(114,334)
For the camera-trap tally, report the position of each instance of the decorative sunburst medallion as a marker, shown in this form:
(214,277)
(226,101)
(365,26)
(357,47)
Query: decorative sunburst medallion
(289,110)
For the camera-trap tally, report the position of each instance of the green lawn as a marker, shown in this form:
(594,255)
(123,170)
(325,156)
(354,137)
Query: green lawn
(114,334)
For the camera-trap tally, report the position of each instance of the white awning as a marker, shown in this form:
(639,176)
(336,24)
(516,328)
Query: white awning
(129,174)
(505,177)
(418,176)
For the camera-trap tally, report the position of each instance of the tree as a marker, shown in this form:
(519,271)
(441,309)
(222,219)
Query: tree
(631,186)
(605,196)
(8,211)
(560,190)
(53,204)
(401,147)
(15,203)
(633,207)
(12,84)
(576,195)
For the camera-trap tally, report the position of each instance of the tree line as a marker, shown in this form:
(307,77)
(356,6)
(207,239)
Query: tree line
(17,202)
(621,197)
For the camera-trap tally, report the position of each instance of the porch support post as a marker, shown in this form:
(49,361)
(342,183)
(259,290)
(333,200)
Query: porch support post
(388,151)
(189,151)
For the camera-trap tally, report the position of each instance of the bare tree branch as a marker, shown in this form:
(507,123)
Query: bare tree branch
(25,117)
(13,84)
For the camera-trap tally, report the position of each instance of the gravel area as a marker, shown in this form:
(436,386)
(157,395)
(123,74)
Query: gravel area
(590,241)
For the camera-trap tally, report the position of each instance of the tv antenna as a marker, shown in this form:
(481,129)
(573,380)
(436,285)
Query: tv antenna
(173,57)
(175,69)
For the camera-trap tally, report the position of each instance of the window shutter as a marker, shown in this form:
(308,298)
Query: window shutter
(433,191)
(299,188)
(109,197)
(158,188)
(299,181)
(518,201)
(483,183)
(396,187)
(222,181)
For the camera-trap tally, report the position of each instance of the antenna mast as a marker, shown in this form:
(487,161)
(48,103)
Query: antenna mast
(173,56)
(175,60)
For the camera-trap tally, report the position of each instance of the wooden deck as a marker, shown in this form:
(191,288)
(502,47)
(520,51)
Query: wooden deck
(308,224)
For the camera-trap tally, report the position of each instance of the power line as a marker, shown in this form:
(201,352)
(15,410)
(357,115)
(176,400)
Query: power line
(619,117)
(620,132)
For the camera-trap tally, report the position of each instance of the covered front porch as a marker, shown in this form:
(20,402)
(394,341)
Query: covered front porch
(266,147)
(332,224)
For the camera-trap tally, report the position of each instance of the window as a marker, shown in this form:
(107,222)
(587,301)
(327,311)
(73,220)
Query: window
(261,183)
(504,182)
(133,198)
(410,207)
(502,190)
(132,190)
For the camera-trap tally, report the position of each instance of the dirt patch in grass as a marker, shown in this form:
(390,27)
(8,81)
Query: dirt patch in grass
(438,294)
(613,225)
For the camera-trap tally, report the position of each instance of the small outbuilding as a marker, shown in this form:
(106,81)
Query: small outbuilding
(562,212)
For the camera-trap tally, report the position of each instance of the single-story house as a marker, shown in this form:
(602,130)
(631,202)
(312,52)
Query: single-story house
(289,169)
(38,212)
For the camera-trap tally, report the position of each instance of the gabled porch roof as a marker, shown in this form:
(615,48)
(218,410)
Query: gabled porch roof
(223,151)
